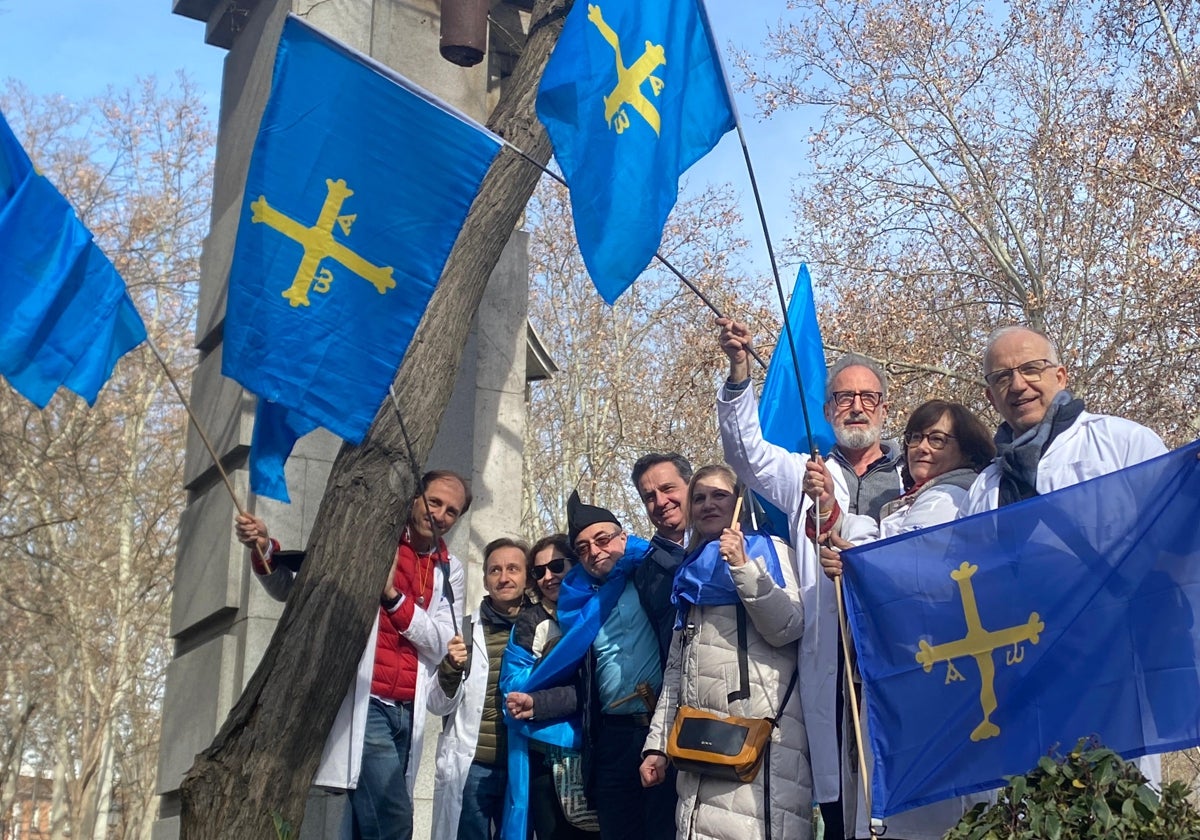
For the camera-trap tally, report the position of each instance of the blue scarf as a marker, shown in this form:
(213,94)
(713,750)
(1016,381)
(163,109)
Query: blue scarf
(584,603)
(704,578)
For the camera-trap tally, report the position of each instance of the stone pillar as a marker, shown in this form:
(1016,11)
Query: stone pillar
(221,620)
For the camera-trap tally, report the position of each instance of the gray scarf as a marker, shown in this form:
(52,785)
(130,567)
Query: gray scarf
(1019,458)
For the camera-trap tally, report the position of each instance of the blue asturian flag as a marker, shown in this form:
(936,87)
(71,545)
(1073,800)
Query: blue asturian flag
(358,186)
(67,316)
(779,410)
(633,95)
(987,643)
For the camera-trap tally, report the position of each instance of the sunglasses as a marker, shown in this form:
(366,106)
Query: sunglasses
(555,567)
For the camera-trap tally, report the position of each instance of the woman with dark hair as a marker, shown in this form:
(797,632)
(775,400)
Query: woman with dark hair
(945,446)
(535,633)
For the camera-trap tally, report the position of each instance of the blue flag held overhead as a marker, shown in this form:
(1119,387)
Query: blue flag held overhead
(67,316)
(780,412)
(987,643)
(358,186)
(633,95)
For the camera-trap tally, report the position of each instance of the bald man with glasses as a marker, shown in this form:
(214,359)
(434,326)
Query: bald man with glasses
(1048,441)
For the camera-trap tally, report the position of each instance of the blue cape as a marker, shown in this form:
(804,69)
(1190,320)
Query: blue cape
(583,605)
(703,576)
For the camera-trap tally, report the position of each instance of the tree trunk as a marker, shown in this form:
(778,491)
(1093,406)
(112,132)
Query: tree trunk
(263,760)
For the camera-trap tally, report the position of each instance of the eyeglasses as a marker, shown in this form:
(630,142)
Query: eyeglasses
(845,399)
(1030,372)
(554,567)
(937,440)
(583,548)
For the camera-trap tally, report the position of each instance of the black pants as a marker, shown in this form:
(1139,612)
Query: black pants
(627,810)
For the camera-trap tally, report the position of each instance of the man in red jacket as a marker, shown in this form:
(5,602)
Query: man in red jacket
(417,617)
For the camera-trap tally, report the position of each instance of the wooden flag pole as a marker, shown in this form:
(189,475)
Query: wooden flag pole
(852,698)
(199,427)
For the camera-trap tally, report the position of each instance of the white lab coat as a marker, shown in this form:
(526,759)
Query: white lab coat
(430,632)
(777,475)
(1094,445)
(459,737)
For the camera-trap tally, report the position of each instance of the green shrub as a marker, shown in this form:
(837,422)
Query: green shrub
(1092,792)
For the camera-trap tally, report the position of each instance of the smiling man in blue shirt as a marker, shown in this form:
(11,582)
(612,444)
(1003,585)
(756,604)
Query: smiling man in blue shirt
(622,674)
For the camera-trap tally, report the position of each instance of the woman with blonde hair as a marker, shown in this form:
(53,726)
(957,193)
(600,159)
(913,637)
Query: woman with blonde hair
(733,653)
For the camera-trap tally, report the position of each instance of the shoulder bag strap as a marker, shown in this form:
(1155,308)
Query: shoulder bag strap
(743,692)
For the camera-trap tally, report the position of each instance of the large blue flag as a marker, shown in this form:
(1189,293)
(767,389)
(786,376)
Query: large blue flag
(632,96)
(67,316)
(988,642)
(779,411)
(358,186)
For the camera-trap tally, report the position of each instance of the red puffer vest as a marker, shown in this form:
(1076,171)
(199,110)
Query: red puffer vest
(395,674)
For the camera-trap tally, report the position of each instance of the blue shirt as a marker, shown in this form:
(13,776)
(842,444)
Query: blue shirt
(626,651)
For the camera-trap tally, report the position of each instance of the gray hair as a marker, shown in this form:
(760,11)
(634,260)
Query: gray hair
(850,360)
(1009,329)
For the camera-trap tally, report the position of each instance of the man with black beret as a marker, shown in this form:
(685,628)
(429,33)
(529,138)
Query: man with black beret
(622,673)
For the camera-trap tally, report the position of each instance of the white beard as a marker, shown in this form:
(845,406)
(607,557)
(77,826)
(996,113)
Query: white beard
(857,437)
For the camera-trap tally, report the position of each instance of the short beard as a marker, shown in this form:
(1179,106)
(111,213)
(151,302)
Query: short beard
(857,437)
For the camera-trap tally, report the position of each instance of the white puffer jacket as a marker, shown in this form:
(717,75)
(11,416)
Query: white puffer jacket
(703,670)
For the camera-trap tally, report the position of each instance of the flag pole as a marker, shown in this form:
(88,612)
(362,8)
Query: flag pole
(666,264)
(852,697)
(199,426)
(762,218)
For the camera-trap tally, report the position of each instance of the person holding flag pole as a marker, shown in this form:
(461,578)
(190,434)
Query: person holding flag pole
(625,125)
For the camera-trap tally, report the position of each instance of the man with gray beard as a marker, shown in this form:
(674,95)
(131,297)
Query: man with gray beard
(865,471)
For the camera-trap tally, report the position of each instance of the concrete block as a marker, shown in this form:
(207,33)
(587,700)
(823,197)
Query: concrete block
(423,788)
(306,472)
(209,567)
(225,411)
(254,634)
(327,816)
(202,686)
(215,261)
(245,87)
(501,319)
(167,828)
(347,20)
(405,36)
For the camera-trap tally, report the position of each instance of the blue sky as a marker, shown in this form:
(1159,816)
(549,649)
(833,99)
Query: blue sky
(78,48)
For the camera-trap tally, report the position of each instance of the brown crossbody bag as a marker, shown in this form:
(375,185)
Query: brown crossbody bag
(725,746)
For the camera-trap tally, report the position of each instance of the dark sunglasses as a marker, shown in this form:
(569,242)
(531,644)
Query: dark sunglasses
(555,566)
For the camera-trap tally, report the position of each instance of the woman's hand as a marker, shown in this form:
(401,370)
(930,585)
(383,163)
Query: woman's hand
(733,546)
(519,705)
(831,556)
(653,770)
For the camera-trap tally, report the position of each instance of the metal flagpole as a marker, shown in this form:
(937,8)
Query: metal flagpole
(842,627)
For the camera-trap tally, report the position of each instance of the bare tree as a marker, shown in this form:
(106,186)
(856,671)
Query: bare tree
(92,496)
(261,764)
(977,165)
(636,376)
